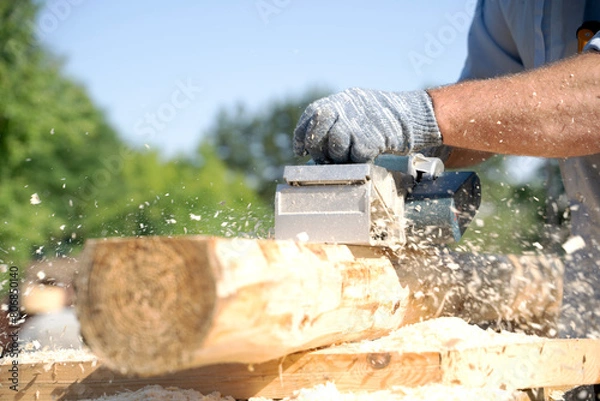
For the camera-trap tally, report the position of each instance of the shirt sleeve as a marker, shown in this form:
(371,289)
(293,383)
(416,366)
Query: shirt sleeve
(491,47)
(593,44)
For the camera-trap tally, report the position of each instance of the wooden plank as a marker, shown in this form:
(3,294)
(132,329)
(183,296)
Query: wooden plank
(553,363)
(275,379)
(155,305)
(548,363)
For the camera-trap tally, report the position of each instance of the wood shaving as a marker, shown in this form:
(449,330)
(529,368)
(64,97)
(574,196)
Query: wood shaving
(432,392)
(329,391)
(54,356)
(444,333)
(159,393)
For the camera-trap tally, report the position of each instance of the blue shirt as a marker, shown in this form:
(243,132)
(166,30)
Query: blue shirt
(510,36)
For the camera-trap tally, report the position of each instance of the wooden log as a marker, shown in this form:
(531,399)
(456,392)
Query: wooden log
(513,292)
(527,365)
(153,305)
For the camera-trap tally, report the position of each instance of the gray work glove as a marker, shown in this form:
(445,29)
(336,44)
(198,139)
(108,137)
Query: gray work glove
(357,125)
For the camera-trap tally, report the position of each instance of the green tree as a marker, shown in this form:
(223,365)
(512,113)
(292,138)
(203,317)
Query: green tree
(178,197)
(65,175)
(258,144)
(50,138)
(517,216)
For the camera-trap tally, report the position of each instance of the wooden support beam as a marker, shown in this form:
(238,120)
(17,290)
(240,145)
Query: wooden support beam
(556,363)
(154,305)
(530,365)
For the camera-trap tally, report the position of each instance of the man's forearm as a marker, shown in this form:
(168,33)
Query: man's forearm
(466,157)
(552,111)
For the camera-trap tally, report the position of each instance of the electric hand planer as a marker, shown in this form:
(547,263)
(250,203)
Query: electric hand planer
(396,200)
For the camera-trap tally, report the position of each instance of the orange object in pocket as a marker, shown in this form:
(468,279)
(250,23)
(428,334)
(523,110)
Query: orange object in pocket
(585,32)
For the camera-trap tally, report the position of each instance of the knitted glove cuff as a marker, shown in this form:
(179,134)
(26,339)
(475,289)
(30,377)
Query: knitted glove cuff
(421,125)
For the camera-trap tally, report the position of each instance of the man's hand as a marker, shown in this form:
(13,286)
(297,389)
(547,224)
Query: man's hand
(357,125)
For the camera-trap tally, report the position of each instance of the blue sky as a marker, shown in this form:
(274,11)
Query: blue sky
(161,69)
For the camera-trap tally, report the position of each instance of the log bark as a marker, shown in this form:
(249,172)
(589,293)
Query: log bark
(154,305)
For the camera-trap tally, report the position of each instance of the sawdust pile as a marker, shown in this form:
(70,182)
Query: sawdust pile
(159,393)
(329,392)
(53,356)
(444,333)
(433,392)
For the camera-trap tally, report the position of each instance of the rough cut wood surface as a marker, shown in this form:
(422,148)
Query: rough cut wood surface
(441,351)
(155,305)
(520,292)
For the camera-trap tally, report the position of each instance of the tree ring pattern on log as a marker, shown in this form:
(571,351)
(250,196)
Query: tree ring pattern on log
(146,312)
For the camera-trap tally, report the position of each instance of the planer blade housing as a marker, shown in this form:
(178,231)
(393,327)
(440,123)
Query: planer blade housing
(389,203)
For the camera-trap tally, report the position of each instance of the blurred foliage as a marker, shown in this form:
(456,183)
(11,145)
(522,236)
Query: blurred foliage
(516,216)
(178,197)
(259,143)
(50,136)
(65,175)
